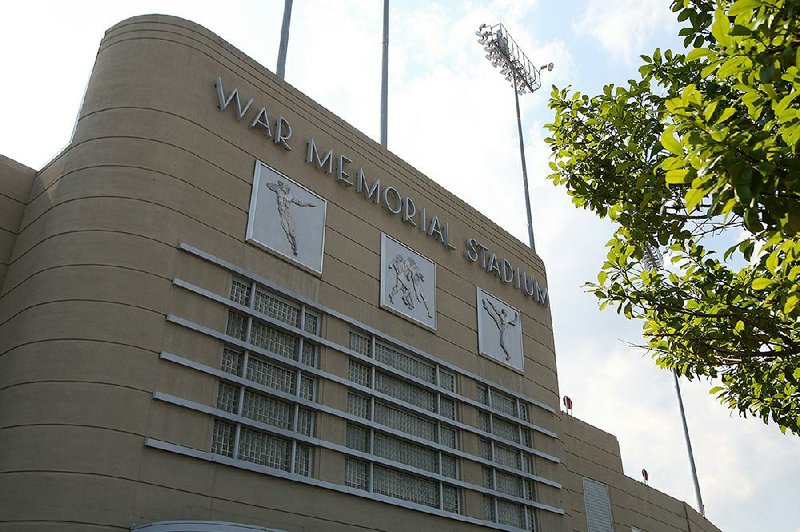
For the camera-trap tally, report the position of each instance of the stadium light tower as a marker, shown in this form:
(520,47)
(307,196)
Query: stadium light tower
(652,259)
(504,53)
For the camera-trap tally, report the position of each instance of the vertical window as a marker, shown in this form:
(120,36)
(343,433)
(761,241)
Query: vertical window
(598,506)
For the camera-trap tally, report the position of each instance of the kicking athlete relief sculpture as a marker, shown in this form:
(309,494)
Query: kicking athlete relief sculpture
(285,201)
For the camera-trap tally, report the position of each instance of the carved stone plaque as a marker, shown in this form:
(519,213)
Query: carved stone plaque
(408,282)
(499,330)
(286,218)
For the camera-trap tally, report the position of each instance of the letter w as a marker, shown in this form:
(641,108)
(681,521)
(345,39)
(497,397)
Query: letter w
(234,95)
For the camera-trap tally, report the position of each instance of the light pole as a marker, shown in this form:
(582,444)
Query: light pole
(284,44)
(504,53)
(700,506)
(385,75)
(653,260)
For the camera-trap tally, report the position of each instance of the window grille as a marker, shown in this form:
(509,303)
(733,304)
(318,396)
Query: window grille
(237,326)
(360,343)
(306,387)
(526,437)
(358,405)
(484,422)
(302,460)
(448,437)
(508,456)
(222,438)
(530,490)
(486,449)
(510,513)
(312,323)
(240,291)
(407,487)
(405,391)
(357,474)
(309,357)
(264,449)
(526,463)
(404,421)
(504,403)
(510,484)
(406,453)
(357,437)
(523,411)
(450,499)
(447,380)
(232,361)
(487,477)
(598,506)
(405,362)
(305,421)
(482,392)
(359,373)
(449,466)
(447,407)
(488,508)
(505,429)
(228,397)
(268,410)
(273,340)
(276,308)
(269,374)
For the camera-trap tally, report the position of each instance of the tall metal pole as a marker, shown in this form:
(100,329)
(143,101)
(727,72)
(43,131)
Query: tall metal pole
(385,75)
(700,506)
(287,17)
(524,166)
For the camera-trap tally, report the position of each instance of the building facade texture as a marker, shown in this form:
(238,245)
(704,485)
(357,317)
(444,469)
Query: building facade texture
(163,357)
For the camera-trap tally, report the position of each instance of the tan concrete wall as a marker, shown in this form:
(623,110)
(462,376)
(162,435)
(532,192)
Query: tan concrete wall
(15,185)
(89,281)
(590,452)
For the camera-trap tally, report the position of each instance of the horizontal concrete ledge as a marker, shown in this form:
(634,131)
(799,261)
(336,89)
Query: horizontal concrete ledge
(201,526)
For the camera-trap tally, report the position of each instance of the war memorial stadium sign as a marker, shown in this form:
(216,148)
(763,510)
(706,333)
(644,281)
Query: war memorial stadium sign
(393,201)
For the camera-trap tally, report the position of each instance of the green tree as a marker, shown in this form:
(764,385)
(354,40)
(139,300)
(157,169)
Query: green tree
(697,159)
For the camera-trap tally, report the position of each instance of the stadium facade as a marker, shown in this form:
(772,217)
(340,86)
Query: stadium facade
(224,308)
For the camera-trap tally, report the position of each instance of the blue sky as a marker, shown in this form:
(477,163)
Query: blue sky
(452,117)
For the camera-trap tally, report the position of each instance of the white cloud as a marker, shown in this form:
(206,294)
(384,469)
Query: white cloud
(625,27)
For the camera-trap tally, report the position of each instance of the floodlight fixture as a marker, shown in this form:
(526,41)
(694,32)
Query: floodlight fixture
(503,52)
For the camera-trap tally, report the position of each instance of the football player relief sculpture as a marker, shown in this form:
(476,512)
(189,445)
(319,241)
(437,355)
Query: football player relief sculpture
(408,282)
(285,200)
(286,218)
(499,330)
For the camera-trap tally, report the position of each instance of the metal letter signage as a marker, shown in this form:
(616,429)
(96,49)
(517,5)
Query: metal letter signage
(286,218)
(408,282)
(499,330)
(348,173)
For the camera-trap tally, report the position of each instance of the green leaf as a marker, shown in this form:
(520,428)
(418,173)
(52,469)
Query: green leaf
(734,65)
(715,390)
(742,6)
(772,261)
(785,101)
(721,27)
(693,198)
(726,114)
(678,177)
(761,283)
(791,303)
(670,142)
(697,53)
